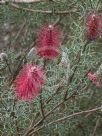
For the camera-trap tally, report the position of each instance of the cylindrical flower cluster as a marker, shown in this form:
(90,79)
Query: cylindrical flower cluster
(94,79)
(29,81)
(48,42)
(93,24)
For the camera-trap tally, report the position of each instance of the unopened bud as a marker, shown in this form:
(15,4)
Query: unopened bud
(3,56)
(31,54)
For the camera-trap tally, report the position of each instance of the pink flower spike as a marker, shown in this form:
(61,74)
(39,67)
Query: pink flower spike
(93,24)
(48,42)
(29,82)
(93,78)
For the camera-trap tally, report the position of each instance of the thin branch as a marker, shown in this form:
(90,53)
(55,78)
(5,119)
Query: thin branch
(19,32)
(75,114)
(98,4)
(41,105)
(1,101)
(58,105)
(21,1)
(75,69)
(61,84)
(32,126)
(67,117)
(8,65)
(17,128)
(49,113)
(42,11)
(20,64)
(95,128)
(57,21)
(81,127)
(91,4)
(41,102)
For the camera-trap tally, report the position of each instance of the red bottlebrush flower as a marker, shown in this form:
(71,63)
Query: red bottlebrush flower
(28,82)
(93,78)
(93,26)
(48,42)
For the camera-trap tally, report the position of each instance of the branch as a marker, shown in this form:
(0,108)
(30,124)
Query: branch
(17,128)
(49,113)
(42,11)
(8,65)
(67,117)
(41,105)
(75,114)
(18,67)
(75,69)
(96,126)
(21,1)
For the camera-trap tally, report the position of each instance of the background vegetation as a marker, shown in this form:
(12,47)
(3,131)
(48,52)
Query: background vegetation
(18,30)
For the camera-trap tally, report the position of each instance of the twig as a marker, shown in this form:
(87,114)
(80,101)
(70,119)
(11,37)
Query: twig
(47,114)
(74,114)
(20,30)
(3,68)
(98,3)
(21,1)
(79,125)
(3,104)
(97,123)
(41,102)
(67,117)
(57,21)
(85,45)
(56,91)
(91,4)
(20,64)
(8,65)
(32,126)
(58,105)
(61,16)
(42,11)
(75,69)
(69,81)
(17,128)
(41,105)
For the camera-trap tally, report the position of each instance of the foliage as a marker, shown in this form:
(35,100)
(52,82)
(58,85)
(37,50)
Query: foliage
(18,31)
